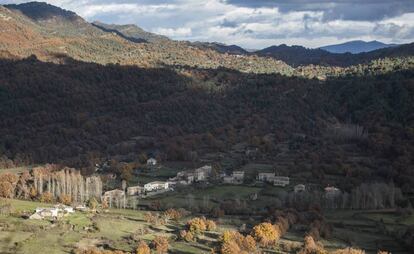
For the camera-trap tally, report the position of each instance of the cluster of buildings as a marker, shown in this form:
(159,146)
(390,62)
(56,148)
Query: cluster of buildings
(201,174)
(56,212)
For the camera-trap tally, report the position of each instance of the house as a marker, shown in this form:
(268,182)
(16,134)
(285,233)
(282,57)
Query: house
(135,190)
(151,162)
(299,188)
(332,192)
(154,186)
(201,174)
(266,177)
(281,181)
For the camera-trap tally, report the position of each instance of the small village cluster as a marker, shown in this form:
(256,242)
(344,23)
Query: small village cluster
(118,197)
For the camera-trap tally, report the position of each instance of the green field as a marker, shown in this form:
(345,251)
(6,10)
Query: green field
(118,228)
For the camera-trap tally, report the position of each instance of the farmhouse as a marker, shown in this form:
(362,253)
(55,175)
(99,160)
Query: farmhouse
(266,177)
(281,181)
(151,162)
(135,190)
(299,188)
(154,186)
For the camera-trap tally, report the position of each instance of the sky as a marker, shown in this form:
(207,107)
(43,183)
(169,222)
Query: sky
(255,24)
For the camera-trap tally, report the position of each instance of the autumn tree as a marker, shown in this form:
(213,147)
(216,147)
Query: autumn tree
(160,244)
(266,234)
(197,225)
(143,248)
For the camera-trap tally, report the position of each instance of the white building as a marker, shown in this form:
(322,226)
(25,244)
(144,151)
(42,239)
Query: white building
(201,174)
(281,181)
(151,162)
(51,212)
(266,177)
(154,186)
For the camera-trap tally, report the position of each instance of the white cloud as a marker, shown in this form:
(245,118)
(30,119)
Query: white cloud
(171,32)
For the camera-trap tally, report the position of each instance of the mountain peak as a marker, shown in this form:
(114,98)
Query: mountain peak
(39,11)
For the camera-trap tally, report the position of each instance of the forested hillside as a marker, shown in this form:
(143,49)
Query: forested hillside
(77,111)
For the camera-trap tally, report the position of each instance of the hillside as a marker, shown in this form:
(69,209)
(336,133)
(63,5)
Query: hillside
(356,47)
(58,36)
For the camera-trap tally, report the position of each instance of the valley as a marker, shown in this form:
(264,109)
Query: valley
(116,140)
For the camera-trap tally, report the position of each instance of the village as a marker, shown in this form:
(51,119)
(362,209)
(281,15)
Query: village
(129,196)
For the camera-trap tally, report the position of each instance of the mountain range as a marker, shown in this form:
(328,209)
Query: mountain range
(356,47)
(52,34)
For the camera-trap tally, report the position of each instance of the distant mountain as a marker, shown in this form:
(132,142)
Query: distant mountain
(299,56)
(222,48)
(355,47)
(131,32)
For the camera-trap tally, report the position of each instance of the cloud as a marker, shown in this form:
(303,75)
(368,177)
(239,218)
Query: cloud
(257,23)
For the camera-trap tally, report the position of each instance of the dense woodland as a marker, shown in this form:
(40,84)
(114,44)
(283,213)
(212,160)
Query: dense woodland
(80,113)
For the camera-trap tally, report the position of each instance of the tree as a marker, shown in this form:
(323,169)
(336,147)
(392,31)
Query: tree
(210,225)
(6,189)
(160,244)
(266,234)
(143,248)
(197,225)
